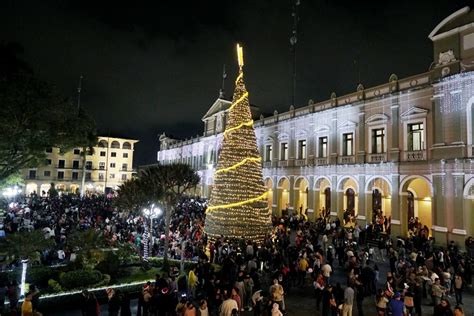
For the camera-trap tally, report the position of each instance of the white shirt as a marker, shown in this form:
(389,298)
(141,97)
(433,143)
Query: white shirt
(227,306)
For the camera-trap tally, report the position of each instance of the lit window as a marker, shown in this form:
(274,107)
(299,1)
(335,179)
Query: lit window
(283,151)
(302,149)
(268,153)
(323,147)
(378,140)
(415,137)
(348,144)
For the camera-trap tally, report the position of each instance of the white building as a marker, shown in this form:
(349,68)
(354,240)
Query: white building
(405,147)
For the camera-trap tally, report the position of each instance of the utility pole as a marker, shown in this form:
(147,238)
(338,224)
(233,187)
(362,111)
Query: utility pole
(293,41)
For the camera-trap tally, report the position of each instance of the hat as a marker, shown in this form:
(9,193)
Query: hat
(397,295)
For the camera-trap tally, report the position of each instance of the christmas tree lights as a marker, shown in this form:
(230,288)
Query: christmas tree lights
(238,206)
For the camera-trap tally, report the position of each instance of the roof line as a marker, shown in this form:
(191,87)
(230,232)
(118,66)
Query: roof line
(448,19)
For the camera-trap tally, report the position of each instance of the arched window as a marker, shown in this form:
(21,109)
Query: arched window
(115,144)
(127,145)
(327,198)
(103,144)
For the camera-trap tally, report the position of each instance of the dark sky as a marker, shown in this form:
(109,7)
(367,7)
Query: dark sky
(154,66)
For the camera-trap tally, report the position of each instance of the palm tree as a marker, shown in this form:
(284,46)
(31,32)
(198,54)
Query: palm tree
(131,196)
(168,183)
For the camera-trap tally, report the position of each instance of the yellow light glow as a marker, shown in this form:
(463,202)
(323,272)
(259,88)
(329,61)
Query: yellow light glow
(227,131)
(240,56)
(240,164)
(239,100)
(261,197)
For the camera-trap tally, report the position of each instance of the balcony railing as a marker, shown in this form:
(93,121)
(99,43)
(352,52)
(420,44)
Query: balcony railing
(415,155)
(321,161)
(377,157)
(283,163)
(267,164)
(300,162)
(346,159)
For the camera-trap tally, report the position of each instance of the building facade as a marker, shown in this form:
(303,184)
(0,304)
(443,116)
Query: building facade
(107,166)
(404,147)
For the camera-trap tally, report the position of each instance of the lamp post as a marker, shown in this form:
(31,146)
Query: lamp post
(12,192)
(151,213)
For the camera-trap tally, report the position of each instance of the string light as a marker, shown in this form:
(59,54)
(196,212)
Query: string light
(238,206)
(261,197)
(257,160)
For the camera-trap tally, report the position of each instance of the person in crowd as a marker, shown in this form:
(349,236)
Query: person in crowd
(227,306)
(113,302)
(27,305)
(89,304)
(443,308)
(348,301)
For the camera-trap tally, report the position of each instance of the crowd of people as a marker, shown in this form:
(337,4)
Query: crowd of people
(233,276)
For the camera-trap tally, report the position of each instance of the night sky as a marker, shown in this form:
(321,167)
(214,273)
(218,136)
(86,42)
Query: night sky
(156,66)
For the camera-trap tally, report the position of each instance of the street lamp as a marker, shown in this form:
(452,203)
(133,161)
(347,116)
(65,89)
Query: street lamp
(151,213)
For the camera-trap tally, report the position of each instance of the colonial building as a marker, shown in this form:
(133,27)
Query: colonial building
(405,147)
(109,165)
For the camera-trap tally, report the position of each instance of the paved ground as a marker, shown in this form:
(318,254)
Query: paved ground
(301,302)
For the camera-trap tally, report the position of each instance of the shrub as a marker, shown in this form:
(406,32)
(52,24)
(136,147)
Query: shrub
(39,276)
(54,286)
(79,279)
(110,265)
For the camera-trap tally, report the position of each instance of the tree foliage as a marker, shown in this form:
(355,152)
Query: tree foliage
(25,244)
(34,117)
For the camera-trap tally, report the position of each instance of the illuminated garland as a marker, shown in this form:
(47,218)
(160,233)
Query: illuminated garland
(246,94)
(259,159)
(261,197)
(249,123)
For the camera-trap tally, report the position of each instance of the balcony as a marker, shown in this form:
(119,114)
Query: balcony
(321,161)
(267,164)
(377,157)
(347,160)
(300,162)
(415,155)
(283,163)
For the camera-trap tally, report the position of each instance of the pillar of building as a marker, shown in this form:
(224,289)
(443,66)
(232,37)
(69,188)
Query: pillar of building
(368,206)
(396,206)
(361,207)
(439,220)
(395,149)
(459,223)
(334,204)
(333,141)
(311,200)
(275,209)
(361,139)
(291,195)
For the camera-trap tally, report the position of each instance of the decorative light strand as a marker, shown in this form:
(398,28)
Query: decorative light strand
(249,123)
(261,197)
(252,159)
(246,94)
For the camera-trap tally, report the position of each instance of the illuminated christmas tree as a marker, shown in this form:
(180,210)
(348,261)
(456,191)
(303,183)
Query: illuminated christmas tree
(238,205)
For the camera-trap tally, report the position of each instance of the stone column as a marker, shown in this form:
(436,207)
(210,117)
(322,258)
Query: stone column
(397,206)
(311,200)
(291,195)
(275,152)
(275,209)
(360,140)
(333,141)
(460,224)
(395,149)
(334,204)
(368,205)
(438,208)
(362,210)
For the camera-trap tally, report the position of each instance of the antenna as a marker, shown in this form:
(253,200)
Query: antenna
(79,88)
(293,41)
(224,76)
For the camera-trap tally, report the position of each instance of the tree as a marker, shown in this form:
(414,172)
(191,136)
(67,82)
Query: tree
(132,196)
(33,117)
(168,183)
(238,208)
(25,245)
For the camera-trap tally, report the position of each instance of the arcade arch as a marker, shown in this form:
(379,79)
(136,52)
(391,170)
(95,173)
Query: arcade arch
(379,199)
(322,187)
(284,194)
(301,194)
(269,187)
(416,202)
